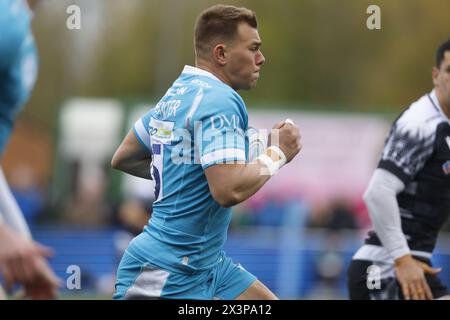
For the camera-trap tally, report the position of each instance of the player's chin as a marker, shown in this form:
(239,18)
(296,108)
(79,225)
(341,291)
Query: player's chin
(253,82)
(247,86)
(250,84)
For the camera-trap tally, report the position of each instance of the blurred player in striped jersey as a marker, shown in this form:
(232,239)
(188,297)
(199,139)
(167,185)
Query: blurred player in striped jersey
(408,199)
(22,261)
(194,141)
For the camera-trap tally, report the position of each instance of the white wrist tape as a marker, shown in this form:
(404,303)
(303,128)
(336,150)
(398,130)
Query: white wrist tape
(289,121)
(272,166)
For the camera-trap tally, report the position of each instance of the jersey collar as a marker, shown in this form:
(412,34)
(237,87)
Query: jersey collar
(199,72)
(435,102)
(28,8)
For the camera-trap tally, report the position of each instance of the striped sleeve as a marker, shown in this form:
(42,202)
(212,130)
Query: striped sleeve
(141,130)
(220,132)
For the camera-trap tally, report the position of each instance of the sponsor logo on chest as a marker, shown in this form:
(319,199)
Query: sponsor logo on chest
(221,121)
(161,131)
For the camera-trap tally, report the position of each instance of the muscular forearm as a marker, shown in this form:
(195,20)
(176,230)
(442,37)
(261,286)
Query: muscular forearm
(231,184)
(247,180)
(381,200)
(132,158)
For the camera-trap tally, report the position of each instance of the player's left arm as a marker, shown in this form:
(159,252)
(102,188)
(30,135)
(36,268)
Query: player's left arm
(232,183)
(131,157)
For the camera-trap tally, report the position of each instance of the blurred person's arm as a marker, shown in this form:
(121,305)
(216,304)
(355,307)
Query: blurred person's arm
(381,200)
(131,157)
(10,211)
(231,184)
(23,261)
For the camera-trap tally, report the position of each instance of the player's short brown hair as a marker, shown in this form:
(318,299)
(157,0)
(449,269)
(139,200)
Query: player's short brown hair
(440,52)
(220,23)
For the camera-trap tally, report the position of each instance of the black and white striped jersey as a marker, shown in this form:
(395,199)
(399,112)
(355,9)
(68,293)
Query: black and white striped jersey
(417,151)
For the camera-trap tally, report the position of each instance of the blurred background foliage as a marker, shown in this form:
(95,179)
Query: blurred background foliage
(320,54)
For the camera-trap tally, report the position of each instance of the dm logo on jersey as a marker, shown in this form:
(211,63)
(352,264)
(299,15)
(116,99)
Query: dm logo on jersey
(446,167)
(448,141)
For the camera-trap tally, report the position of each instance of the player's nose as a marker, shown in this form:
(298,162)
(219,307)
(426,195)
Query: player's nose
(260,59)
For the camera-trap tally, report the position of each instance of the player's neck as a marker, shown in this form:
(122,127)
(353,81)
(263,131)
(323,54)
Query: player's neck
(442,103)
(218,73)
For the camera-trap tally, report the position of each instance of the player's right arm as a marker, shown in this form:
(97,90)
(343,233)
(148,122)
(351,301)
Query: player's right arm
(132,157)
(231,184)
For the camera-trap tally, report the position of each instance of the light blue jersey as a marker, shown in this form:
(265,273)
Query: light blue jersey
(199,122)
(18,63)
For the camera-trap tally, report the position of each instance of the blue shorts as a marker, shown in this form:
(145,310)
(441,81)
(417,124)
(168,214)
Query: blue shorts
(141,280)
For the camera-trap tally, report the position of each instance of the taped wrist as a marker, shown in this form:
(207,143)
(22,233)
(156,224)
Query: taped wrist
(273,158)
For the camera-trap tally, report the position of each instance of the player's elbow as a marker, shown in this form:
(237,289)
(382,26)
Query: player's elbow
(375,197)
(226,199)
(116,161)
(370,197)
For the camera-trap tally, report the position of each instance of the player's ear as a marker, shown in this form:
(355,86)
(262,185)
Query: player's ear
(435,76)
(220,54)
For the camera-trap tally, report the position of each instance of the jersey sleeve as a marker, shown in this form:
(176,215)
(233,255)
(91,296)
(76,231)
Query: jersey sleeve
(142,130)
(220,131)
(407,148)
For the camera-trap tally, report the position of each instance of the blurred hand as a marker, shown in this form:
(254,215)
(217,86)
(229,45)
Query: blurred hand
(23,261)
(411,276)
(289,139)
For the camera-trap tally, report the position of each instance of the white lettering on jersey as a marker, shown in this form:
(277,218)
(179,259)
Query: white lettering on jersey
(169,108)
(176,91)
(218,122)
(201,83)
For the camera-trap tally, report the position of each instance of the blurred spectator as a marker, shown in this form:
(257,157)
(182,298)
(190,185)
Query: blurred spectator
(329,268)
(88,205)
(133,216)
(242,216)
(25,189)
(271,213)
(320,217)
(342,217)
(338,216)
